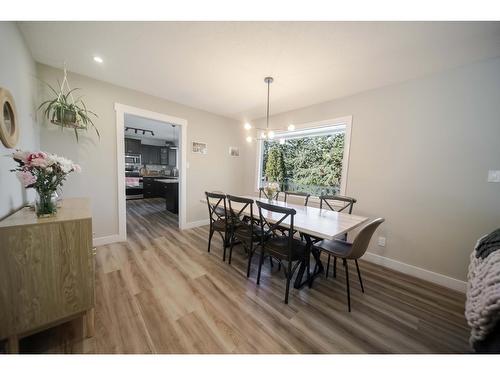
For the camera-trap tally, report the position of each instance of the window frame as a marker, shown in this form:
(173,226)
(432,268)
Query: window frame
(346,120)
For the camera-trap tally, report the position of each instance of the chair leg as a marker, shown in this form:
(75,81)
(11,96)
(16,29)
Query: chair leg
(309,278)
(261,260)
(334,267)
(250,255)
(231,241)
(288,277)
(271,261)
(327,267)
(249,263)
(224,243)
(210,238)
(347,284)
(359,275)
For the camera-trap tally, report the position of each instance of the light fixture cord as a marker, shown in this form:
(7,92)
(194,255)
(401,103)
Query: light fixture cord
(267,116)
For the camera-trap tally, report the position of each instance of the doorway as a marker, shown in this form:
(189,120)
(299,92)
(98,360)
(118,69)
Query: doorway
(136,124)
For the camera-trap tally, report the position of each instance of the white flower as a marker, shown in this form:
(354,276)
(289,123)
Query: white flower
(66,165)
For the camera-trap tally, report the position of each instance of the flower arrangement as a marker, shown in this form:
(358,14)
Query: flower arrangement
(271,188)
(45,173)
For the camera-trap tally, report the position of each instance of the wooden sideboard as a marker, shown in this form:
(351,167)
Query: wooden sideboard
(46,270)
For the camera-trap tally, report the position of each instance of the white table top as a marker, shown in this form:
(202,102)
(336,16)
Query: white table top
(316,222)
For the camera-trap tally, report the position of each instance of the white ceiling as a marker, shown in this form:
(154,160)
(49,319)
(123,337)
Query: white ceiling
(220,66)
(162,130)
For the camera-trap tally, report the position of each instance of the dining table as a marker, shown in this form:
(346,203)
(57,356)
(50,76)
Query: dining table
(313,224)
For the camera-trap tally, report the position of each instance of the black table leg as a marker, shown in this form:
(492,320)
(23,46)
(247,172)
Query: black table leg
(318,267)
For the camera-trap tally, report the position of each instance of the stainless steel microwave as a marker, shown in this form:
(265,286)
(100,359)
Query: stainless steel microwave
(132,159)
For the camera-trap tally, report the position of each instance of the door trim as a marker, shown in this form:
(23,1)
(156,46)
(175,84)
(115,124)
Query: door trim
(120,110)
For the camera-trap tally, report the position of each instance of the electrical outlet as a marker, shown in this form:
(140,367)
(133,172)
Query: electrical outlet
(381,241)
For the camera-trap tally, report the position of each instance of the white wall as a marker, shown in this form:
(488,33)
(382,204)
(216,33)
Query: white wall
(17,74)
(215,171)
(420,153)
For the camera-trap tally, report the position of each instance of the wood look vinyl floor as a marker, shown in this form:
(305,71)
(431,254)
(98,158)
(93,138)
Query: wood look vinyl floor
(161,292)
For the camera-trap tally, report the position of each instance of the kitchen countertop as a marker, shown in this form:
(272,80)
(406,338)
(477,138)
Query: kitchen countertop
(167,181)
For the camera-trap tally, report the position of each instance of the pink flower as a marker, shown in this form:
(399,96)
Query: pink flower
(20,156)
(26,178)
(38,159)
(77,168)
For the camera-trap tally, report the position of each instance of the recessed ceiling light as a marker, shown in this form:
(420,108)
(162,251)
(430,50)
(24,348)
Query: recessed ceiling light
(98,59)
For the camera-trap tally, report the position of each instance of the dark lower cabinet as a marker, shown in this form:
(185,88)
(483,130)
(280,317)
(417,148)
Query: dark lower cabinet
(147,186)
(157,189)
(172,197)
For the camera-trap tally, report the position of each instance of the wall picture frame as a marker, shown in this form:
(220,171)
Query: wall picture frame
(234,151)
(199,148)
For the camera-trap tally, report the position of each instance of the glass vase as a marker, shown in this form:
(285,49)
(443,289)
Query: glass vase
(46,204)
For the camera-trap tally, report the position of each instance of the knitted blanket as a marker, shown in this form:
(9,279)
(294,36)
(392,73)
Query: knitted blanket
(482,309)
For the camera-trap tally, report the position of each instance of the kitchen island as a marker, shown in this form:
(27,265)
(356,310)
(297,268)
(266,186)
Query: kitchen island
(169,188)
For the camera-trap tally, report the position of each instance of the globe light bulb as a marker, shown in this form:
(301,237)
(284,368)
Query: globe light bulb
(249,139)
(247,126)
(270,134)
(291,127)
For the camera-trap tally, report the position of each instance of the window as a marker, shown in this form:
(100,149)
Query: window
(311,159)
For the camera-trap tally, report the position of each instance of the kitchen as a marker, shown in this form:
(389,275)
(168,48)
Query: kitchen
(151,162)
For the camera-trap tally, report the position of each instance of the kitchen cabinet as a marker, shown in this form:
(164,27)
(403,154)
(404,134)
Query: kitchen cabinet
(164,156)
(132,146)
(172,157)
(152,188)
(172,197)
(150,154)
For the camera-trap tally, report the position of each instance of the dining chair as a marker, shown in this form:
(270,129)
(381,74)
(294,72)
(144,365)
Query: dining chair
(283,247)
(338,203)
(305,196)
(350,251)
(217,213)
(345,203)
(273,197)
(245,227)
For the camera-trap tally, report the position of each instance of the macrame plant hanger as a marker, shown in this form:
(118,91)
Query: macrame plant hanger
(61,92)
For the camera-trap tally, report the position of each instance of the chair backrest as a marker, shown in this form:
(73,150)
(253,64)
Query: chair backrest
(298,194)
(360,243)
(274,197)
(217,209)
(347,203)
(269,229)
(236,213)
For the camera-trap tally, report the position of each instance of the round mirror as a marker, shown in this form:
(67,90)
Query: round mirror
(9,132)
(8,116)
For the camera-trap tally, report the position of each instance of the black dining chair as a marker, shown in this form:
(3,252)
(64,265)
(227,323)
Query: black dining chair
(283,247)
(274,197)
(338,203)
(300,194)
(245,227)
(350,251)
(217,213)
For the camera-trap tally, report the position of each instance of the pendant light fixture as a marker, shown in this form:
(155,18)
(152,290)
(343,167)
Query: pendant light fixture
(265,134)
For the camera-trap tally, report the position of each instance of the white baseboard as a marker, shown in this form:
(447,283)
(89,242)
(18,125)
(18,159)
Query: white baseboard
(420,273)
(100,241)
(194,224)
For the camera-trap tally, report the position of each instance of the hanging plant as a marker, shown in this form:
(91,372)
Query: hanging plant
(63,110)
